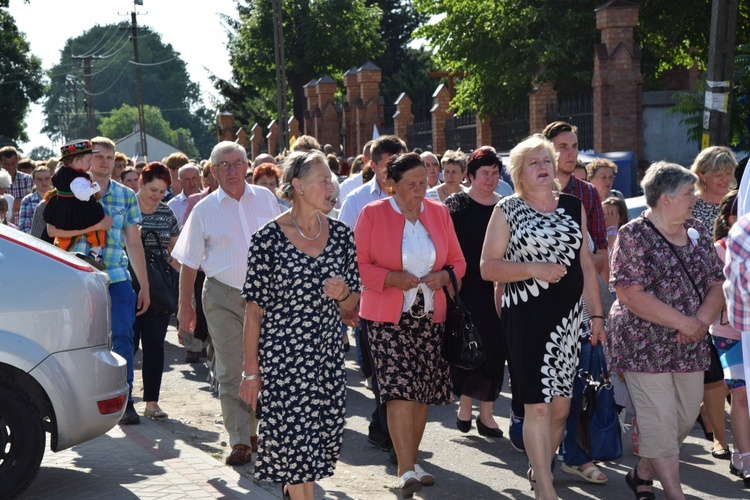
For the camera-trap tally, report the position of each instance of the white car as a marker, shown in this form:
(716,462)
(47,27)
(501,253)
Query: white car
(57,372)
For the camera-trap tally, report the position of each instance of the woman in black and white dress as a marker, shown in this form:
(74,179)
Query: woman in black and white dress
(533,245)
(302,278)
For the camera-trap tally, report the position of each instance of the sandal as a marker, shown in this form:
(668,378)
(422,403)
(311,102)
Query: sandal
(634,482)
(155,414)
(285,492)
(530,477)
(592,474)
(409,484)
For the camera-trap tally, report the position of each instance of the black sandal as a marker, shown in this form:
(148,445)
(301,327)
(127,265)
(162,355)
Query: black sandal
(634,482)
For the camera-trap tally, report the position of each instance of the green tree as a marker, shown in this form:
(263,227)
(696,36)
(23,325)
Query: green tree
(21,77)
(40,153)
(404,68)
(505,46)
(165,81)
(691,104)
(320,37)
(121,122)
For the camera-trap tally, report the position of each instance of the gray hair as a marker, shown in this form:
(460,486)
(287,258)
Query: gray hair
(457,157)
(227,147)
(185,168)
(298,165)
(666,178)
(5,179)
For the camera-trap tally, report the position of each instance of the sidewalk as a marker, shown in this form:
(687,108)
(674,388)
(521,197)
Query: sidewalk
(141,461)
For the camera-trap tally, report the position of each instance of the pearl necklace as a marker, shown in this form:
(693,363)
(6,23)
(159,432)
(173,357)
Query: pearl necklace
(320,228)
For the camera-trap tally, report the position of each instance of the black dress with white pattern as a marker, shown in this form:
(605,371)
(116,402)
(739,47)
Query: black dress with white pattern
(302,402)
(542,320)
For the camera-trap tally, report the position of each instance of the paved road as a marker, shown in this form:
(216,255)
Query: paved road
(152,461)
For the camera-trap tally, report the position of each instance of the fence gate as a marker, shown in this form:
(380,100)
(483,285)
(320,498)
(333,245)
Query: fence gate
(461,133)
(509,127)
(578,111)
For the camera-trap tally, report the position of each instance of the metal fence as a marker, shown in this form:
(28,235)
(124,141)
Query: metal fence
(419,135)
(509,127)
(461,133)
(578,111)
(388,111)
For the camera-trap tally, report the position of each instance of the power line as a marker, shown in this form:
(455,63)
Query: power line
(124,67)
(152,64)
(96,45)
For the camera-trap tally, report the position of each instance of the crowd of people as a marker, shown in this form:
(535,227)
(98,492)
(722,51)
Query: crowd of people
(280,258)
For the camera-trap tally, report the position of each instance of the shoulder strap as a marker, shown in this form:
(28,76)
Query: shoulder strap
(671,247)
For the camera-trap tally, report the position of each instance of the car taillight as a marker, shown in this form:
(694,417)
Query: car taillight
(109,406)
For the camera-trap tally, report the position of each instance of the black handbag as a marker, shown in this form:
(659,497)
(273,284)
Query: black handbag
(462,345)
(599,433)
(163,280)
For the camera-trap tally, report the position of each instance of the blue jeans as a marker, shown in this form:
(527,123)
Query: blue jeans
(572,454)
(122,298)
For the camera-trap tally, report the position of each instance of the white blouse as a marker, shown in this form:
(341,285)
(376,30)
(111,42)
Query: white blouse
(417,257)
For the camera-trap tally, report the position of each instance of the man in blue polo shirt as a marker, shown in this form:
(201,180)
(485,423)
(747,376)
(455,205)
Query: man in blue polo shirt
(120,221)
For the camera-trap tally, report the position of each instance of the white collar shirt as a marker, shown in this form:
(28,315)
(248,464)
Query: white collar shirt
(178,204)
(216,236)
(357,200)
(347,187)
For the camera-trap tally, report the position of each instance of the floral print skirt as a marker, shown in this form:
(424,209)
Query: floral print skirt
(406,358)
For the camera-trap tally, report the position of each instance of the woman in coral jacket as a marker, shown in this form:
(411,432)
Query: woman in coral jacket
(403,243)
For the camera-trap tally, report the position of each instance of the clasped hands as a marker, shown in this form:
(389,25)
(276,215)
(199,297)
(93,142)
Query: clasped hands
(406,280)
(692,330)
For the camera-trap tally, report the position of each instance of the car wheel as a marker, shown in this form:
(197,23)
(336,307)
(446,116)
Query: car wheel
(21,441)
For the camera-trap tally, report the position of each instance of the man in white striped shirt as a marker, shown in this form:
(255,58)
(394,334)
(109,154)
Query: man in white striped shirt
(216,237)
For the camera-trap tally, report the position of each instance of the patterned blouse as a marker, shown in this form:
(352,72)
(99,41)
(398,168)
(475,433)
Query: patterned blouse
(642,257)
(163,223)
(707,214)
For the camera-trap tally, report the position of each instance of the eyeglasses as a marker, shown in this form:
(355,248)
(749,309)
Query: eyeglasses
(237,165)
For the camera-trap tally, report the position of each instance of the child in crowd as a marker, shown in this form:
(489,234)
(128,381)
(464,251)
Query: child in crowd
(72,205)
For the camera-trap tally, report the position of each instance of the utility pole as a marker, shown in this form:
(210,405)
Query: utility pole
(278,41)
(719,74)
(138,87)
(89,101)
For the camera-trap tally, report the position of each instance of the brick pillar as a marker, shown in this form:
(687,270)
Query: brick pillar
(403,118)
(242,138)
(311,96)
(368,77)
(484,131)
(257,140)
(293,127)
(348,114)
(329,128)
(441,99)
(617,82)
(273,137)
(226,126)
(541,98)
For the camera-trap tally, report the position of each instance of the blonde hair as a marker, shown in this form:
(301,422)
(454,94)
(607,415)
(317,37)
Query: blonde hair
(522,150)
(714,160)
